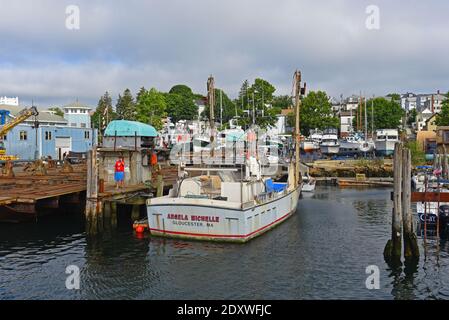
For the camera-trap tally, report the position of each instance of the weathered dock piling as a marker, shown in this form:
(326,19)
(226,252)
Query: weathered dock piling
(92,203)
(394,245)
(411,249)
(402,221)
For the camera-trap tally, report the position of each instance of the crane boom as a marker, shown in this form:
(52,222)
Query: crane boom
(20,117)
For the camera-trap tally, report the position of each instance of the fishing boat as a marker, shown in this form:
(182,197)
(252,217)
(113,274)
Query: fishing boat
(230,204)
(316,136)
(309,145)
(329,143)
(222,206)
(385,141)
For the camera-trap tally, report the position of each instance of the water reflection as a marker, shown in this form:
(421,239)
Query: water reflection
(321,252)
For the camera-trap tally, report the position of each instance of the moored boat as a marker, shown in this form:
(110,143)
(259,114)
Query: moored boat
(329,144)
(385,141)
(235,203)
(223,207)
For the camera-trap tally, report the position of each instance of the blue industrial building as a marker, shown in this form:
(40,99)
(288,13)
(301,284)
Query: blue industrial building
(54,136)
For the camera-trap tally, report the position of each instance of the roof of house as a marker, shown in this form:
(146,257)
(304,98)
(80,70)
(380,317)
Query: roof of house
(44,115)
(76,105)
(125,128)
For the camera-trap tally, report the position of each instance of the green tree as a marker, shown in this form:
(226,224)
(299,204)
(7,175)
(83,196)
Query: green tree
(282,102)
(104,113)
(411,117)
(57,111)
(182,90)
(417,153)
(180,107)
(387,114)
(126,107)
(257,101)
(442,118)
(229,108)
(151,108)
(394,96)
(316,112)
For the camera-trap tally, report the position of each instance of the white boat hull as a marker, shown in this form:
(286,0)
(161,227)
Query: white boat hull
(331,149)
(205,219)
(308,146)
(385,148)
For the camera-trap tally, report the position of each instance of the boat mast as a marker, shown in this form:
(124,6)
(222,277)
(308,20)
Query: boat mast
(211,102)
(298,92)
(366,122)
(372,118)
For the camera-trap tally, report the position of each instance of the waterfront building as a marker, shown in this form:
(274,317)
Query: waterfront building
(421,119)
(434,103)
(77,115)
(408,101)
(351,103)
(14,101)
(52,136)
(346,119)
(431,123)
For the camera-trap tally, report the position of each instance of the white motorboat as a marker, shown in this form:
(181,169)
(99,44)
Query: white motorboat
(329,143)
(385,141)
(309,184)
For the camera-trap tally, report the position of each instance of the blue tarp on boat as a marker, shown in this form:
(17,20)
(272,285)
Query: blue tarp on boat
(125,128)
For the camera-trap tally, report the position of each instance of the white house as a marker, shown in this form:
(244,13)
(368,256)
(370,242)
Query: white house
(346,118)
(421,119)
(409,101)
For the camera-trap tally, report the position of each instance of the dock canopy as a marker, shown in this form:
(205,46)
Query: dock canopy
(125,128)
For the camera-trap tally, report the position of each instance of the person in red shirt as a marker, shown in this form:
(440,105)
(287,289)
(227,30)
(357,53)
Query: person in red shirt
(119,175)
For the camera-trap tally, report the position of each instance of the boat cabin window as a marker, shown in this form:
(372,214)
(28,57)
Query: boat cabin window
(381,137)
(392,137)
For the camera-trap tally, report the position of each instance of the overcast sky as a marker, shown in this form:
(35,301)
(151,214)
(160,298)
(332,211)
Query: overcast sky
(129,44)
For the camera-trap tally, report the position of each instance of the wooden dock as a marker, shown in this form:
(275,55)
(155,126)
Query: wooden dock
(29,194)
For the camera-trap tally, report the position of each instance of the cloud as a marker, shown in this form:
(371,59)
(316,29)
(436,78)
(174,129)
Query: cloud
(129,44)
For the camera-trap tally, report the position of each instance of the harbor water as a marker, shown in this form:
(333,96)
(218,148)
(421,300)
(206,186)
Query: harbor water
(322,252)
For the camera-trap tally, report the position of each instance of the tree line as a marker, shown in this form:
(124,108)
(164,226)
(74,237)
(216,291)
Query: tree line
(256,103)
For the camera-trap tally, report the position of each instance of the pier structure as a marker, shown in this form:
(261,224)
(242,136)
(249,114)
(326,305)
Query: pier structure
(33,189)
(143,176)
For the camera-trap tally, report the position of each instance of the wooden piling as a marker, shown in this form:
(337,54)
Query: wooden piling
(411,249)
(113,206)
(135,213)
(393,248)
(92,205)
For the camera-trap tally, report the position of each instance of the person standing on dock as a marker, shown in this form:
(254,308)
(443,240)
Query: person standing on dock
(119,175)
